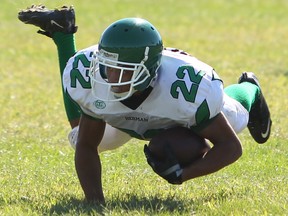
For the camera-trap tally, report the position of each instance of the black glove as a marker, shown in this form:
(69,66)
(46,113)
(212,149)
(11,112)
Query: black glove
(169,169)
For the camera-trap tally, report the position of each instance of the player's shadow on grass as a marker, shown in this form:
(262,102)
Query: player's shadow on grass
(131,203)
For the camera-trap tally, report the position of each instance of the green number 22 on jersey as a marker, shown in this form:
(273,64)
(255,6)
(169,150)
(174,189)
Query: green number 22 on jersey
(75,73)
(179,86)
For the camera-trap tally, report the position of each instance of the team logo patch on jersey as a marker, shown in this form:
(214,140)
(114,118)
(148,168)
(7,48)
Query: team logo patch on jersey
(99,104)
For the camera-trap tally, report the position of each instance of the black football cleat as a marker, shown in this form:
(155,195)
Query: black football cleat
(49,21)
(259,124)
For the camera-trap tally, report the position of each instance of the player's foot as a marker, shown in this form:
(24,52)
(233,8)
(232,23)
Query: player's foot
(49,21)
(260,122)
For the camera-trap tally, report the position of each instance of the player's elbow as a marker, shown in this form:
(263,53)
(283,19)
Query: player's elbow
(235,152)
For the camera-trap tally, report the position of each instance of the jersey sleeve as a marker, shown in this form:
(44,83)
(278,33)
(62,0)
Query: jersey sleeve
(211,105)
(76,80)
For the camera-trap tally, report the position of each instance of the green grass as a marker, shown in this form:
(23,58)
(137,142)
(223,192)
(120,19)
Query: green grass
(37,167)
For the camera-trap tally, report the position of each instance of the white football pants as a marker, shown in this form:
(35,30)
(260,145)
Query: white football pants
(113,138)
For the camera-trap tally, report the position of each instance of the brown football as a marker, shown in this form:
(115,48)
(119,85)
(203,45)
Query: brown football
(184,143)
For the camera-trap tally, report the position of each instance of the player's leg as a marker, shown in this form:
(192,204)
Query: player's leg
(112,139)
(66,48)
(249,94)
(59,24)
(245,93)
(236,113)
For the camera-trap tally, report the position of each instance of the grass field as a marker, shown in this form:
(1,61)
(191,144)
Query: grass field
(37,166)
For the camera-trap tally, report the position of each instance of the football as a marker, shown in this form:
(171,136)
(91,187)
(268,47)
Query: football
(184,144)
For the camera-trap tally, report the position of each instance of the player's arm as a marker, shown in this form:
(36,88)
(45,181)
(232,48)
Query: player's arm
(226,149)
(87,161)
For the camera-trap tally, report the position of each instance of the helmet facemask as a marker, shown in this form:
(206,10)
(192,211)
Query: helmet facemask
(128,76)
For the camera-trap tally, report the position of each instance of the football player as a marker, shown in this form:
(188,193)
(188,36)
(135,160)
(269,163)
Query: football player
(130,84)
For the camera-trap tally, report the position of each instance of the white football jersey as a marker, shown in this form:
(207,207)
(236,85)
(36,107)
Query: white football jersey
(186,92)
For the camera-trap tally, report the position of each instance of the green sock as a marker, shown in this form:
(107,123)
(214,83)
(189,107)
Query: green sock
(245,93)
(66,48)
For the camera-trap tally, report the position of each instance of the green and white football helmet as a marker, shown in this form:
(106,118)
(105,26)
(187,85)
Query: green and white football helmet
(130,45)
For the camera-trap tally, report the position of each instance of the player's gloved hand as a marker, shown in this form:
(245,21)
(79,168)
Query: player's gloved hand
(169,169)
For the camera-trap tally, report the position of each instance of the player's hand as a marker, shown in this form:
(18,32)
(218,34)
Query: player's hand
(169,169)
